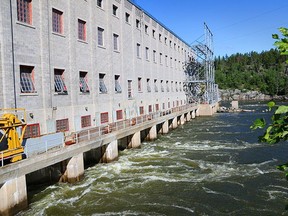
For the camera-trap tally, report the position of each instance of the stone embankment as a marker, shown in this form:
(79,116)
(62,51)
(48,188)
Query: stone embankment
(238,95)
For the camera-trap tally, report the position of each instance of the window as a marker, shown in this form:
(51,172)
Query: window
(102,86)
(167,86)
(137,23)
(147,53)
(148,85)
(115,42)
(154,56)
(171,60)
(166,60)
(127,17)
(153,33)
(157,107)
(32,130)
(146,29)
(172,87)
(165,40)
(27,79)
(139,84)
(155,85)
(117,84)
(138,50)
(84,88)
(162,87)
(100,36)
(57,21)
(129,89)
(163,106)
(160,58)
(81,30)
(150,108)
(114,10)
(119,115)
(141,110)
(176,86)
(160,37)
(24,11)
(100,3)
(180,86)
(85,121)
(169,105)
(104,117)
(62,125)
(59,83)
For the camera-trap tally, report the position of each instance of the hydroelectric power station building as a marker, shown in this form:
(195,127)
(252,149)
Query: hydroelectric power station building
(94,76)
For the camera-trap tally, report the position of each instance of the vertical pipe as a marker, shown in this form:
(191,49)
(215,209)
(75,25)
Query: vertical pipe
(13,57)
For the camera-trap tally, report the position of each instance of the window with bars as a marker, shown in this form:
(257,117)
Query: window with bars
(115,42)
(119,114)
(129,89)
(114,10)
(85,121)
(32,131)
(62,125)
(148,85)
(24,11)
(81,30)
(102,86)
(117,84)
(155,85)
(83,82)
(27,79)
(138,50)
(141,110)
(139,84)
(100,36)
(59,83)
(57,21)
(104,117)
(100,3)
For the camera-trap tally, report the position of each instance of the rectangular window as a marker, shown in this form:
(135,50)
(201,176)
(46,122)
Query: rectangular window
(115,42)
(172,86)
(127,17)
(83,82)
(119,114)
(162,87)
(165,40)
(153,33)
(100,36)
(148,85)
(169,105)
(139,84)
(166,60)
(24,11)
(137,23)
(117,84)
(150,108)
(114,10)
(86,121)
(160,37)
(180,86)
(62,125)
(100,3)
(32,130)
(147,53)
(160,58)
(27,79)
(102,86)
(155,85)
(57,21)
(138,50)
(146,29)
(81,30)
(141,110)
(59,83)
(176,86)
(163,106)
(167,86)
(104,117)
(154,56)
(129,89)
(157,107)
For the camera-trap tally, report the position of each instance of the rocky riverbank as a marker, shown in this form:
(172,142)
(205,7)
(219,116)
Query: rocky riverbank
(238,95)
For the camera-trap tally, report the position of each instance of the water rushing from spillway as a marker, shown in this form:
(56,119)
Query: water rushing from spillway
(209,166)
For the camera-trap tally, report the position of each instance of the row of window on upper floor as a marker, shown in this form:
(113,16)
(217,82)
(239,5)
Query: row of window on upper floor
(27,83)
(24,14)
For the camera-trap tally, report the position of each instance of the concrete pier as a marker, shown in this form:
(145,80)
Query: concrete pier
(74,170)
(152,135)
(111,152)
(175,122)
(165,127)
(182,119)
(188,117)
(135,140)
(13,195)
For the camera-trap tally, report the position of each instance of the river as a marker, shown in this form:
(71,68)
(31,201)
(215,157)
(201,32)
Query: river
(209,166)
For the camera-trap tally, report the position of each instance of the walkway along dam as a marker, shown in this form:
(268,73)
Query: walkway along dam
(67,162)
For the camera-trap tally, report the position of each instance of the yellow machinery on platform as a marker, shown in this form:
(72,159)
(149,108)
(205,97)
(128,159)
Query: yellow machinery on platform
(12,131)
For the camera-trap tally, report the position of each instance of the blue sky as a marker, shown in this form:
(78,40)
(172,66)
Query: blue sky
(238,25)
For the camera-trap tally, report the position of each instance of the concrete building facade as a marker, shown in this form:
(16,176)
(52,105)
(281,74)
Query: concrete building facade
(83,63)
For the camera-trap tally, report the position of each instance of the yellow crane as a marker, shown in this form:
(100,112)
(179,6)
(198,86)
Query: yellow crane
(12,132)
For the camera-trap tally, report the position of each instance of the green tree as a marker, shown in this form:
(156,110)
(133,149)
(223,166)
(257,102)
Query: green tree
(277,130)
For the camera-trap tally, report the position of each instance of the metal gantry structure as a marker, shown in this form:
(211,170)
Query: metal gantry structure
(199,84)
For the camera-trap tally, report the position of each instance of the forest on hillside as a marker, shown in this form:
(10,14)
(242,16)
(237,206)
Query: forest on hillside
(266,72)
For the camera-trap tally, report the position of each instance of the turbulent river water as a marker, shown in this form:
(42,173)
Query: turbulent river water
(209,166)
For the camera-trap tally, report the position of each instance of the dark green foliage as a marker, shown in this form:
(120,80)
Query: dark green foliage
(266,72)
